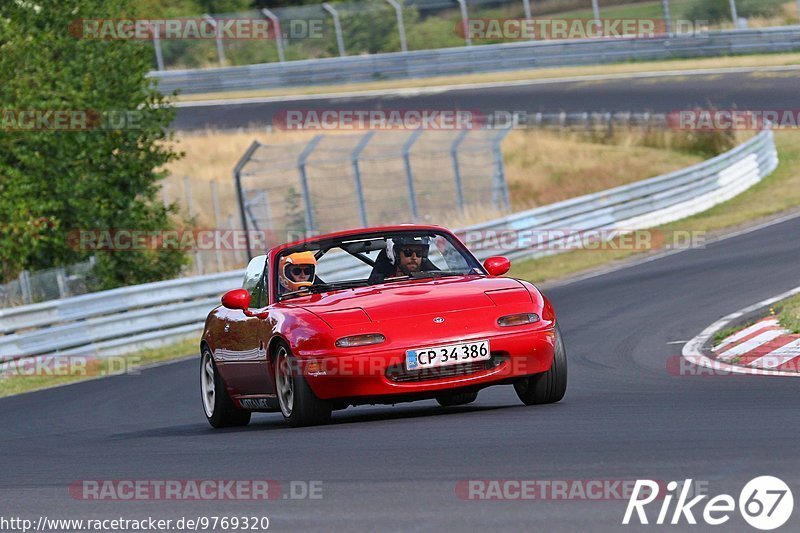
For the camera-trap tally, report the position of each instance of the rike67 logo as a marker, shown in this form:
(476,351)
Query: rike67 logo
(765,503)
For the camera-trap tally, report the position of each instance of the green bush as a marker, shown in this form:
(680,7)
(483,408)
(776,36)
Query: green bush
(720,10)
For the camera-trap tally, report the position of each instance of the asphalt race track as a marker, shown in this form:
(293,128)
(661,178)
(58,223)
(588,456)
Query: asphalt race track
(760,90)
(396,468)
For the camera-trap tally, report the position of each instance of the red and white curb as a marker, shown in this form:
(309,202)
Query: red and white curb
(763,345)
(763,349)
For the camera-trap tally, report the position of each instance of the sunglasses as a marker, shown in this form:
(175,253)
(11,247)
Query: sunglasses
(408,252)
(296,271)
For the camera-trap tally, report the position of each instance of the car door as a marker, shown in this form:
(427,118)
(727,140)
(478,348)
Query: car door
(242,350)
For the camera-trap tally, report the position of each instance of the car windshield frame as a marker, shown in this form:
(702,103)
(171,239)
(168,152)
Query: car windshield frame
(323,245)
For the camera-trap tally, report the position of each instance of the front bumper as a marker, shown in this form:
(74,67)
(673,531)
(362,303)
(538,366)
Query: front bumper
(371,372)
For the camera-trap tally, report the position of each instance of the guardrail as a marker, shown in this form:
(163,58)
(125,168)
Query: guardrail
(130,318)
(473,59)
(640,205)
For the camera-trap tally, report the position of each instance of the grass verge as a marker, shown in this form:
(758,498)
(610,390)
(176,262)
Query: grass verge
(724,333)
(788,312)
(777,193)
(73,369)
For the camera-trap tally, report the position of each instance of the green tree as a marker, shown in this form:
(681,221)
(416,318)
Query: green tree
(54,182)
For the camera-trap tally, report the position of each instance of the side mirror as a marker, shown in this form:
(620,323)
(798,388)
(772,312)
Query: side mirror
(236,299)
(497,265)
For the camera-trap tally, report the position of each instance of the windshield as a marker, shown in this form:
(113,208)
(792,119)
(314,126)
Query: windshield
(371,260)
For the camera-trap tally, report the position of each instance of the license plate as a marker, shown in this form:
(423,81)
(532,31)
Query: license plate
(451,354)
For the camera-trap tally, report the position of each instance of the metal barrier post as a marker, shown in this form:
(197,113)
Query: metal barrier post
(61,281)
(217,38)
(237,255)
(667,17)
(596,10)
(276,23)
(25,286)
(311,224)
(499,185)
(526,4)
(157,46)
(362,205)
(457,170)
(412,194)
(465,21)
(734,14)
(401,28)
(217,226)
(187,189)
(336,26)
(237,177)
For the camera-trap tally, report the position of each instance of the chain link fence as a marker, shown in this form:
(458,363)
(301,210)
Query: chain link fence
(358,27)
(51,284)
(343,181)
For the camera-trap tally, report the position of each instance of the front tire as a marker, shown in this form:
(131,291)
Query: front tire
(218,406)
(547,387)
(299,405)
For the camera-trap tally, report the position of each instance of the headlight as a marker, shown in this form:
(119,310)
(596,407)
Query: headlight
(360,340)
(518,320)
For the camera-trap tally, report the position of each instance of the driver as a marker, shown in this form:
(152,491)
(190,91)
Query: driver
(297,271)
(407,254)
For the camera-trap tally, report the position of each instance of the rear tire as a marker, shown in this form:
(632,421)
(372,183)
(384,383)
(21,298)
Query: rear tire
(217,404)
(461,398)
(547,387)
(299,405)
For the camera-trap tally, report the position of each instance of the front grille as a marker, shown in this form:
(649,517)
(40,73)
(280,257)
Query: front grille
(399,373)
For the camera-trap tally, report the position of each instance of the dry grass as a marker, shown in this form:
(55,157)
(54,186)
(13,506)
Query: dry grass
(779,192)
(545,167)
(787,16)
(541,167)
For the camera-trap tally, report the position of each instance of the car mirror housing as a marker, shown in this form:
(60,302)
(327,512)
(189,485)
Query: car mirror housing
(497,265)
(236,299)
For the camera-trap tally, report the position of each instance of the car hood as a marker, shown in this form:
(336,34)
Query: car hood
(408,298)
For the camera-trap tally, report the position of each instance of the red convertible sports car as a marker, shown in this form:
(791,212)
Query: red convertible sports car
(375,316)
